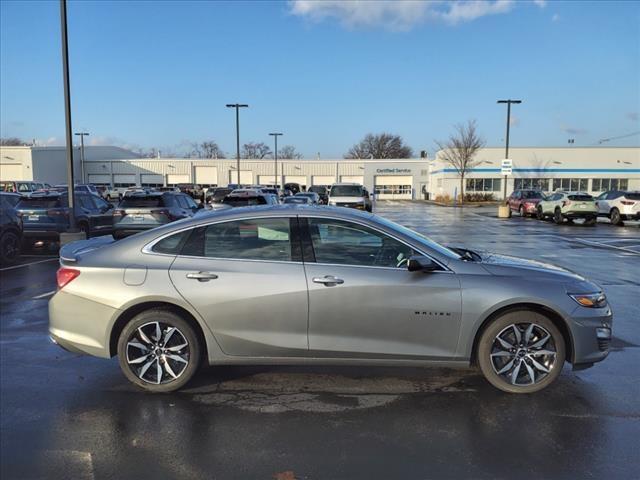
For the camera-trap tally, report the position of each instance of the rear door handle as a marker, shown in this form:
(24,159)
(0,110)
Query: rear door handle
(202,276)
(328,280)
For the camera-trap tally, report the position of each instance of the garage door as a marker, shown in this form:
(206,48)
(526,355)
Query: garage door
(323,180)
(246,177)
(207,175)
(122,180)
(299,179)
(151,180)
(11,171)
(100,178)
(174,179)
(352,179)
(265,180)
(393,187)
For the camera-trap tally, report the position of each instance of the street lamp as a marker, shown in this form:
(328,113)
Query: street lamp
(82,135)
(506,154)
(275,136)
(237,106)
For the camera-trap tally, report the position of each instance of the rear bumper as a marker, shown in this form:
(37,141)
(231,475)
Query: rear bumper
(49,234)
(580,214)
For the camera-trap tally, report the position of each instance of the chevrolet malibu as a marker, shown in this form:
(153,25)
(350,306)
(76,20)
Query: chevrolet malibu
(319,285)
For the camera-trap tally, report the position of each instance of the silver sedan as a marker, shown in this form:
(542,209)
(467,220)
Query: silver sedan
(319,285)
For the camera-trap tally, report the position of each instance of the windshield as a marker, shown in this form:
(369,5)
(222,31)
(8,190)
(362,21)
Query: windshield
(531,194)
(419,238)
(297,199)
(141,202)
(244,201)
(346,191)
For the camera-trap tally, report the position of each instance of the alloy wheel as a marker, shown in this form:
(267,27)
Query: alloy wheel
(157,353)
(523,354)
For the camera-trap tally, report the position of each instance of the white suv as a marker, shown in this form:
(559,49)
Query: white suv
(619,206)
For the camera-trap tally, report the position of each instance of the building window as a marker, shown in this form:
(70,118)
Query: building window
(532,184)
(483,184)
(571,184)
(393,189)
(605,184)
(151,184)
(124,185)
(424,173)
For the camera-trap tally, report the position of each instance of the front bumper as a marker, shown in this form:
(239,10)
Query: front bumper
(591,332)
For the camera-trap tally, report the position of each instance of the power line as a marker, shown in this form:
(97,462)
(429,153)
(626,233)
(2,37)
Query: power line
(603,140)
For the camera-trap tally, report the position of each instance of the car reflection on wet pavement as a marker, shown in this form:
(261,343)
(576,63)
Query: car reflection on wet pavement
(67,416)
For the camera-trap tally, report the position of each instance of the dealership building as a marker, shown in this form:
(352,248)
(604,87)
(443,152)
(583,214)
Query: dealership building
(592,169)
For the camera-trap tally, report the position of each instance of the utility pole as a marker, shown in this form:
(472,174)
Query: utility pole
(275,155)
(506,154)
(82,135)
(237,106)
(67,115)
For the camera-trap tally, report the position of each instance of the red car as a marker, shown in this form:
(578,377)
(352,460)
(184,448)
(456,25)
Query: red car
(524,202)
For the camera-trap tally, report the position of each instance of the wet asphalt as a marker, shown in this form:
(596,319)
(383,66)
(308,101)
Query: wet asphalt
(68,416)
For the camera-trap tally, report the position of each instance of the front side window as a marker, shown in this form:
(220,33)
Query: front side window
(345,243)
(267,239)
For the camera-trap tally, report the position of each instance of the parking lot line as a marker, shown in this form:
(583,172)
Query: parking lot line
(27,264)
(43,295)
(605,245)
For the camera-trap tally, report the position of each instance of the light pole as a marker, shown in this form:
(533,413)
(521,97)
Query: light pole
(506,154)
(275,155)
(82,135)
(237,106)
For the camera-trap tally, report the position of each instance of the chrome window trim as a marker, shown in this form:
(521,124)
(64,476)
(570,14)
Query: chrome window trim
(147,249)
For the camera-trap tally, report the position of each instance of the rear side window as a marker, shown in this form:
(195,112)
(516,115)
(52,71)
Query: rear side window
(32,203)
(580,198)
(258,239)
(171,244)
(632,196)
(141,202)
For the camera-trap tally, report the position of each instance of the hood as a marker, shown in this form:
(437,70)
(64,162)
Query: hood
(527,269)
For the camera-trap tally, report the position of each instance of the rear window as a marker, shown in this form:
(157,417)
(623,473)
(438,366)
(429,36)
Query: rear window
(632,196)
(244,201)
(580,198)
(141,202)
(32,203)
(531,194)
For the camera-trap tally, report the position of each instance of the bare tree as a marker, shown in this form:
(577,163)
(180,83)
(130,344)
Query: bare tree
(207,149)
(381,145)
(288,152)
(255,150)
(11,142)
(460,149)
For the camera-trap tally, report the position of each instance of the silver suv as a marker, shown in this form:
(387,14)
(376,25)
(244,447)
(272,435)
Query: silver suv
(352,195)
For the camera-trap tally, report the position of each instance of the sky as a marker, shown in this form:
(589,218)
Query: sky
(158,74)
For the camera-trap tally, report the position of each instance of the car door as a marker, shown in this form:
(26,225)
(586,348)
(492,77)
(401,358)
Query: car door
(246,279)
(103,215)
(363,302)
(602,203)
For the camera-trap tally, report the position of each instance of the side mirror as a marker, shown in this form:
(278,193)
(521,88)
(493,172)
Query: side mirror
(418,263)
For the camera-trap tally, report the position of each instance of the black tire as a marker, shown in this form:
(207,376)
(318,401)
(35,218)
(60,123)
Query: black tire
(539,214)
(9,248)
(488,340)
(521,211)
(193,351)
(557,216)
(84,227)
(616,218)
(510,214)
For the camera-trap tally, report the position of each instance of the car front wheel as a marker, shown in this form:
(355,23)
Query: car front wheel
(539,214)
(615,217)
(159,351)
(521,352)
(557,216)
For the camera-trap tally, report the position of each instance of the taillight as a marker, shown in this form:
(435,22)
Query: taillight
(162,212)
(627,202)
(119,213)
(64,275)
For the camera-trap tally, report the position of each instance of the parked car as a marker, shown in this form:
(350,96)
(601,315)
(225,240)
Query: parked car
(245,197)
(333,278)
(524,202)
(322,191)
(313,196)
(561,206)
(115,193)
(293,187)
(141,211)
(167,189)
(296,200)
(10,229)
(351,195)
(216,195)
(619,206)
(191,189)
(22,187)
(45,215)
(84,188)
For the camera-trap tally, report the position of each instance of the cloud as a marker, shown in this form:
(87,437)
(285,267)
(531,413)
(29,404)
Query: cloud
(49,142)
(399,15)
(573,130)
(633,116)
(540,3)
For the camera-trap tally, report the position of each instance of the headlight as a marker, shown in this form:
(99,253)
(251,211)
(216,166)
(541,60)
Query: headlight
(590,300)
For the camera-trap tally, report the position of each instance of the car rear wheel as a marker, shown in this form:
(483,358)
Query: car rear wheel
(616,218)
(557,216)
(9,248)
(521,352)
(159,351)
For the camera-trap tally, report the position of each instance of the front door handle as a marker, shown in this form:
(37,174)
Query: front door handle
(202,276)
(328,280)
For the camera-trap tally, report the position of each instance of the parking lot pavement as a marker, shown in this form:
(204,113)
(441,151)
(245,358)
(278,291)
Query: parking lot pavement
(68,416)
